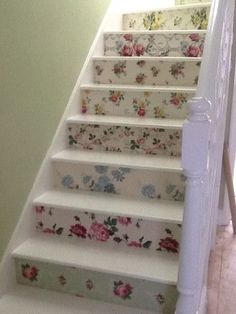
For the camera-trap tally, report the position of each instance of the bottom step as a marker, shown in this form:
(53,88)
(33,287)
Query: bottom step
(24,300)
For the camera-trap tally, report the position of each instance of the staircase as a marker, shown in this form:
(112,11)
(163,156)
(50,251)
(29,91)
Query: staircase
(106,233)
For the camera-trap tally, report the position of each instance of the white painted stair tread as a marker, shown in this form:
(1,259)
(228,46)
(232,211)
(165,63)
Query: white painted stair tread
(25,300)
(157,32)
(143,264)
(133,161)
(147,58)
(128,121)
(146,88)
(166,211)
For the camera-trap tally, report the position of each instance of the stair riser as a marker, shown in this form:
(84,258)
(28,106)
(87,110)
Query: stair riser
(115,230)
(120,181)
(156,45)
(146,72)
(101,286)
(172,19)
(135,103)
(178,2)
(125,139)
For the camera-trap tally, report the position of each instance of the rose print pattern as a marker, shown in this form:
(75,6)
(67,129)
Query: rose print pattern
(168,243)
(29,272)
(150,141)
(154,45)
(119,230)
(170,19)
(138,103)
(62,280)
(122,290)
(160,298)
(154,72)
(101,286)
(120,181)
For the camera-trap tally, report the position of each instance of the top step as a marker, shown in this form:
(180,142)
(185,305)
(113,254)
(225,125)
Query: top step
(184,17)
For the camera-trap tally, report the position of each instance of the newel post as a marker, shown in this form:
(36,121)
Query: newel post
(195,163)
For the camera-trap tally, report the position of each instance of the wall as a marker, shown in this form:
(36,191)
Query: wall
(43,46)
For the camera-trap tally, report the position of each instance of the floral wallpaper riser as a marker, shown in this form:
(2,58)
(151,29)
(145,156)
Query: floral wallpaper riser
(150,141)
(135,104)
(182,19)
(143,72)
(117,230)
(101,286)
(158,45)
(119,181)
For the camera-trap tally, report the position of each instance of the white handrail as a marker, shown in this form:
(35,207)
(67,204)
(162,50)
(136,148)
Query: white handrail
(202,150)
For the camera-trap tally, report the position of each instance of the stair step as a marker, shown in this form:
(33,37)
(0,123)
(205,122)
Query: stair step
(145,265)
(125,229)
(75,171)
(25,300)
(153,210)
(162,71)
(69,266)
(169,164)
(155,43)
(131,88)
(176,124)
(132,101)
(182,17)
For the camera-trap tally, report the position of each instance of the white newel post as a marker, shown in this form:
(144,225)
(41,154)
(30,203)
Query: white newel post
(195,165)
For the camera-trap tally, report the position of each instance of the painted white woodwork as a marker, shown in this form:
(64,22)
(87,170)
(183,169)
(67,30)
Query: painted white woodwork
(195,164)
(150,210)
(230,185)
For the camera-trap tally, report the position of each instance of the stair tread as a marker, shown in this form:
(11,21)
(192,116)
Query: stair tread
(127,121)
(138,88)
(147,58)
(28,300)
(143,264)
(167,211)
(175,7)
(172,164)
(154,32)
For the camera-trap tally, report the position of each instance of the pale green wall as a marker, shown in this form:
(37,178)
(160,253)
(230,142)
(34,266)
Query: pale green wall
(43,44)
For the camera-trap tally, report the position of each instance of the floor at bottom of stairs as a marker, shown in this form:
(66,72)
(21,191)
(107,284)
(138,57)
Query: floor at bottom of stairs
(222,273)
(25,300)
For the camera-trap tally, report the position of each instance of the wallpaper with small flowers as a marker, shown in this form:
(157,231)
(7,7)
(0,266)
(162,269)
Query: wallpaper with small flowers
(172,19)
(154,45)
(121,139)
(168,104)
(101,286)
(146,72)
(116,230)
(119,181)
